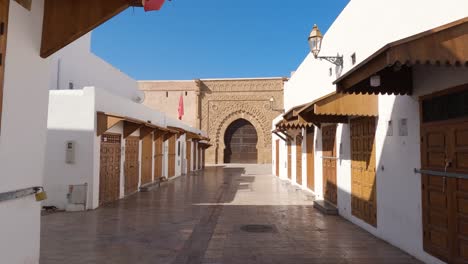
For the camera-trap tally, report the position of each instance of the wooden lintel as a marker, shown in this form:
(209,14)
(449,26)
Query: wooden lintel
(129,128)
(106,122)
(66,21)
(145,131)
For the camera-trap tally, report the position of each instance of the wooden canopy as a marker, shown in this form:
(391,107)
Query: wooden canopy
(204,144)
(292,120)
(66,21)
(336,108)
(445,45)
(106,121)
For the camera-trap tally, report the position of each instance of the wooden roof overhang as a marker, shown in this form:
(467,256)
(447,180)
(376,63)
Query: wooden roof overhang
(180,131)
(444,45)
(66,21)
(292,120)
(106,121)
(337,108)
(204,144)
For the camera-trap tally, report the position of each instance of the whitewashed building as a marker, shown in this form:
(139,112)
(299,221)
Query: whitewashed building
(363,154)
(96,122)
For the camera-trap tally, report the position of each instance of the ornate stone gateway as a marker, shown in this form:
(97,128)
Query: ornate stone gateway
(223,102)
(214,104)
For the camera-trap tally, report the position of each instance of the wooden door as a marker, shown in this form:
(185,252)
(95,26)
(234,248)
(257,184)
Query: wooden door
(363,170)
(329,164)
(172,156)
(131,165)
(310,159)
(158,157)
(203,158)
(241,143)
(200,160)
(299,160)
(4,8)
(277,159)
(444,148)
(109,173)
(146,159)
(289,160)
(189,156)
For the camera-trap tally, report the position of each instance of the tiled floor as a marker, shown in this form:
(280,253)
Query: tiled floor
(197,219)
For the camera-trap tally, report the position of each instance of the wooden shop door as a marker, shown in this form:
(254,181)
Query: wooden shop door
(444,149)
(109,173)
(131,165)
(329,164)
(189,156)
(363,170)
(158,157)
(147,159)
(172,155)
(310,159)
(299,160)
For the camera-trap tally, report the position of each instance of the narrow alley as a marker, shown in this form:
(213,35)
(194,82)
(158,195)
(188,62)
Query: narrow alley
(206,218)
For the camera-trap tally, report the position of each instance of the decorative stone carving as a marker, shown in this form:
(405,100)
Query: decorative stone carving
(225,101)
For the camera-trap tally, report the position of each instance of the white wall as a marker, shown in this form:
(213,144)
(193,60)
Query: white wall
(70,118)
(78,65)
(23,133)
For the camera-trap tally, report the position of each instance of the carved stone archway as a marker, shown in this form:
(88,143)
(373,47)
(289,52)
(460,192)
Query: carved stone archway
(222,127)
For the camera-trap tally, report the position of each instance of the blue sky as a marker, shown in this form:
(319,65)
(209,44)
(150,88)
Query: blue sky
(191,39)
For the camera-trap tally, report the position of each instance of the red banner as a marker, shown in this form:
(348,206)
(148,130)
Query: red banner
(181,107)
(151,5)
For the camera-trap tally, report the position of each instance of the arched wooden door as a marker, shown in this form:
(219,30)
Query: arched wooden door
(241,142)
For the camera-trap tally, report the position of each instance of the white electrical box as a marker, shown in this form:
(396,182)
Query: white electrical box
(70,152)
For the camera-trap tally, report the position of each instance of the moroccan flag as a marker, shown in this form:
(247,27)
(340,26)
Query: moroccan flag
(181,107)
(151,5)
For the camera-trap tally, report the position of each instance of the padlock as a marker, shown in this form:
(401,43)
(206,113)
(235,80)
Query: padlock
(41,195)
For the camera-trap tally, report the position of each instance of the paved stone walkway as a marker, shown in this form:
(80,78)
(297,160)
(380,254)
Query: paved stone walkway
(198,219)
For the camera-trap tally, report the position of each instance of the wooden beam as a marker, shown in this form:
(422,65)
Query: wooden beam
(278,134)
(158,133)
(129,128)
(106,122)
(145,131)
(66,21)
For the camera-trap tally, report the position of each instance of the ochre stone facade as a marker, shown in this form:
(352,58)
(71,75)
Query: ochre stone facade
(221,102)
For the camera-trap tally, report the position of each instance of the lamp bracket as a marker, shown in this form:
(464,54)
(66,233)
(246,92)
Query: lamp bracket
(337,60)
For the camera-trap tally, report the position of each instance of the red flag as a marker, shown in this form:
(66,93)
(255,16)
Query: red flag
(151,5)
(181,107)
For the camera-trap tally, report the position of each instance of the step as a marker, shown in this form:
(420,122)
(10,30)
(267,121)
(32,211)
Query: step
(325,207)
(152,185)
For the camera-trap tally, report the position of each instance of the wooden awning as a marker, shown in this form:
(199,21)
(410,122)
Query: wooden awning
(66,21)
(336,108)
(106,121)
(445,45)
(179,130)
(292,120)
(204,144)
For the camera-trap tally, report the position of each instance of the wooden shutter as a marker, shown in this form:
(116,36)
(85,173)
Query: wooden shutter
(310,160)
(299,160)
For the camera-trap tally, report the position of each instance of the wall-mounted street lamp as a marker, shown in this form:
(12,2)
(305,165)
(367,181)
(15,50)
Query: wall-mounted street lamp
(271,106)
(315,43)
